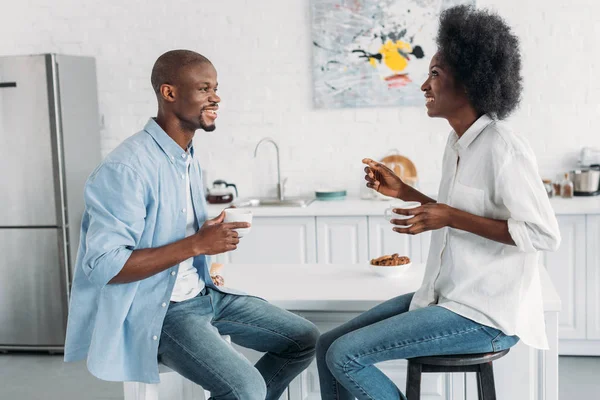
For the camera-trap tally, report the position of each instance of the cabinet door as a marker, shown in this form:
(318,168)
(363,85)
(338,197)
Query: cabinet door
(342,240)
(567,270)
(593,277)
(276,240)
(383,240)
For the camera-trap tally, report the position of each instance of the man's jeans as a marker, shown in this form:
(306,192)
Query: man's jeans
(346,354)
(191,344)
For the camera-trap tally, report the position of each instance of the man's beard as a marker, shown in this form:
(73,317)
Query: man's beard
(205,127)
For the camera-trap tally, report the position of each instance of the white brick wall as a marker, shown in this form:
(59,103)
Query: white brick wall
(262,51)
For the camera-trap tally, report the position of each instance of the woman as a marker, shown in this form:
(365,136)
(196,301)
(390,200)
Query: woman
(481,289)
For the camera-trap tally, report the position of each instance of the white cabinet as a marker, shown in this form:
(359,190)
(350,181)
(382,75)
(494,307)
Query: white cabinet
(593,277)
(275,240)
(383,240)
(342,240)
(567,269)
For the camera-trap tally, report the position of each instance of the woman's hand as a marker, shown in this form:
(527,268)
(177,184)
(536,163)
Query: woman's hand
(382,179)
(427,217)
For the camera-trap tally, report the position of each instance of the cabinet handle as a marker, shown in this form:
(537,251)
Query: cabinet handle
(8,84)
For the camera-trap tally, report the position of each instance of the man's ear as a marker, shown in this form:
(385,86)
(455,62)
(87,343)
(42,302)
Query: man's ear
(168,92)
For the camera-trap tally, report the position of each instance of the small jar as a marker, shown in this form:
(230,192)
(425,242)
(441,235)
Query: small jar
(566,188)
(549,187)
(557,184)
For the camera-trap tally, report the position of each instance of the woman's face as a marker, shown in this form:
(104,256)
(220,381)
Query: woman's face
(444,97)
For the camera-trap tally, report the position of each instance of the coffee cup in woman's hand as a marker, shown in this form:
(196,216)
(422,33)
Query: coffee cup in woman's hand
(391,215)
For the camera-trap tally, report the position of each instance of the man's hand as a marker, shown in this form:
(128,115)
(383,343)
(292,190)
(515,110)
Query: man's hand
(427,217)
(382,179)
(216,237)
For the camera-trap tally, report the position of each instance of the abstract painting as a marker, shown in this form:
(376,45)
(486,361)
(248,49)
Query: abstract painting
(370,53)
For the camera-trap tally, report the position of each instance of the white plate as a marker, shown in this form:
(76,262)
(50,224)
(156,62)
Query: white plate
(391,271)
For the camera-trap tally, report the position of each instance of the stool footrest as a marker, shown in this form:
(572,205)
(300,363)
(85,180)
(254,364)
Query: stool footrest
(450,368)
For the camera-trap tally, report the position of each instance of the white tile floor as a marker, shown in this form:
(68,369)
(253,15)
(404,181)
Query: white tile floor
(46,377)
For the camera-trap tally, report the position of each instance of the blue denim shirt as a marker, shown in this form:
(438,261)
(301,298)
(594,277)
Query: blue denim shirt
(135,199)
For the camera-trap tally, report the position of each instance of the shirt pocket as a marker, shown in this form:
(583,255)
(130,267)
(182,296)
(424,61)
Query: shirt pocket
(469,199)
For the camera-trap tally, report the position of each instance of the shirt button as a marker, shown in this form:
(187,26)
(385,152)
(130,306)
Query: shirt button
(173,273)
(183,155)
(183,210)
(164,304)
(172,158)
(182,176)
(154,337)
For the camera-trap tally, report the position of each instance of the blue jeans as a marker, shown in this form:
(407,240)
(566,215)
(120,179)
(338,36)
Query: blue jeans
(346,354)
(191,344)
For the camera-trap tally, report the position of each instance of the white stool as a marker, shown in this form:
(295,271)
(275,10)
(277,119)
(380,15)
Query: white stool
(149,391)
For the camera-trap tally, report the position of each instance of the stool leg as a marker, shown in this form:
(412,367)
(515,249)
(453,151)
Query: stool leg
(485,382)
(479,388)
(413,381)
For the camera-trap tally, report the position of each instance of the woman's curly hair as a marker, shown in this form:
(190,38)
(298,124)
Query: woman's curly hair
(483,55)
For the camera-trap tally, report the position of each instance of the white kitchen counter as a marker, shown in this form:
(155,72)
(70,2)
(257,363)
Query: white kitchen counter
(336,287)
(357,207)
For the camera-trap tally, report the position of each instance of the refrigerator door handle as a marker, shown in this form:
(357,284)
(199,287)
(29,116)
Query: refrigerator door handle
(8,84)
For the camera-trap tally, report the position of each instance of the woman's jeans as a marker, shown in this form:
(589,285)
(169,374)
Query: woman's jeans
(346,355)
(191,344)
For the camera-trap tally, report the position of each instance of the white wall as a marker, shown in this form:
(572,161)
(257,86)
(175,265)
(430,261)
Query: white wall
(262,51)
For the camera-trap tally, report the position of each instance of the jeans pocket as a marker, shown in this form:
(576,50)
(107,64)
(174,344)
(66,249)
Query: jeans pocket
(503,342)
(492,332)
(500,341)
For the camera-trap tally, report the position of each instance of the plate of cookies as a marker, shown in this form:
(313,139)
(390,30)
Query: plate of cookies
(390,265)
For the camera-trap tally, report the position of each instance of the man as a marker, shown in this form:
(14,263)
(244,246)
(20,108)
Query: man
(142,292)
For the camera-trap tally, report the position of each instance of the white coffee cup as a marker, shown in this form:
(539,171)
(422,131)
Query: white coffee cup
(238,215)
(390,214)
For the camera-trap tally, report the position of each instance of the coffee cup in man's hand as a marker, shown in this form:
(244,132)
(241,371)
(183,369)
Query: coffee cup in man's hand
(238,215)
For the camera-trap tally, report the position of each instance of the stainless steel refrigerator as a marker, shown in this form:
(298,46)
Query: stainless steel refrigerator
(49,144)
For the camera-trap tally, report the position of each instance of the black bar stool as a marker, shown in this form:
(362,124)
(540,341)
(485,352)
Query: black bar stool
(479,363)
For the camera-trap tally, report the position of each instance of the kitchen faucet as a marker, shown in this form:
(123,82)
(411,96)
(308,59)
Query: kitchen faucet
(279,182)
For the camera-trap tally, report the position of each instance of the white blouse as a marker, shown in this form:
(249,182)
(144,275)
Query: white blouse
(492,172)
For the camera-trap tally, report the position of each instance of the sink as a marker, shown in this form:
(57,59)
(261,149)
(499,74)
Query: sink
(274,202)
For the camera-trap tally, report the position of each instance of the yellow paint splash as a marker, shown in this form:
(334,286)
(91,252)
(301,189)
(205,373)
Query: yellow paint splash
(391,57)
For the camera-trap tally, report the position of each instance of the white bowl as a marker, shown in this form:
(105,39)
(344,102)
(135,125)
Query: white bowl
(391,271)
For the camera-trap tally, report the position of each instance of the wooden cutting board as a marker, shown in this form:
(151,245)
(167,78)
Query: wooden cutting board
(401,166)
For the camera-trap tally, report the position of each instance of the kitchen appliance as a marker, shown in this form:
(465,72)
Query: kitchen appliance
(589,156)
(49,144)
(220,192)
(586,181)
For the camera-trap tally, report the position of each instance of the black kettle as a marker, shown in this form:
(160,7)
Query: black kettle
(220,192)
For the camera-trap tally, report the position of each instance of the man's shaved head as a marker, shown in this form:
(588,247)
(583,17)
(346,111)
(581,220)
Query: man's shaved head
(167,67)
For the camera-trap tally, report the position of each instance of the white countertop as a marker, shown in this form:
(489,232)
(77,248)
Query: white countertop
(336,287)
(357,207)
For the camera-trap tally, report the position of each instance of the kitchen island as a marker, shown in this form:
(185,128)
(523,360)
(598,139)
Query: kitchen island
(330,294)
(353,231)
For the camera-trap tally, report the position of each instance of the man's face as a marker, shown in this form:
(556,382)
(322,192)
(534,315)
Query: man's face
(196,101)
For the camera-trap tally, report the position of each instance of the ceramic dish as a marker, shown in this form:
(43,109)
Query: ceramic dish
(392,271)
(330,194)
